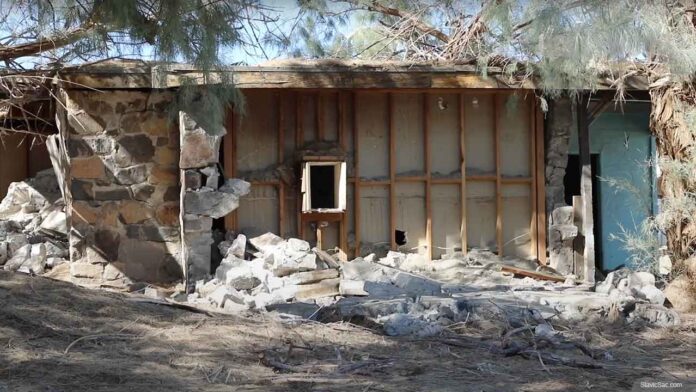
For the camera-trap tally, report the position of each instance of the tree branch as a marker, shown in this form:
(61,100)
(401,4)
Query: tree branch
(425,28)
(44,44)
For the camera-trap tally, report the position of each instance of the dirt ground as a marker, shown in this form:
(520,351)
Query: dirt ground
(57,337)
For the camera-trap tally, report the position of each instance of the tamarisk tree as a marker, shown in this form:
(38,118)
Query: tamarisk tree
(567,45)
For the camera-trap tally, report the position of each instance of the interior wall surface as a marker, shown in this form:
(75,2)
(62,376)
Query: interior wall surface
(423,162)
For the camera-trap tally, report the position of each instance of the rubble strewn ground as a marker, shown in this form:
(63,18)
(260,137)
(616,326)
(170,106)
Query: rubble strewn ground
(405,294)
(55,336)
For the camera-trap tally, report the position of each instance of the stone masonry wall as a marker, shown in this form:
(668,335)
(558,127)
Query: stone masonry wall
(124,153)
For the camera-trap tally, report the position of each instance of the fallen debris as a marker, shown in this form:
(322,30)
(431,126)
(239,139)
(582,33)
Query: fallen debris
(33,225)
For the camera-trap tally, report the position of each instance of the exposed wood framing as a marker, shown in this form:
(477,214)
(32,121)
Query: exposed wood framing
(587,228)
(498,180)
(344,109)
(356,173)
(230,162)
(281,158)
(428,177)
(392,172)
(462,152)
(299,141)
(319,117)
(340,127)
(540,185)
(533,186)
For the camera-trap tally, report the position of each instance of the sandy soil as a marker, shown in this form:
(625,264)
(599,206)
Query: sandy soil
(58,337)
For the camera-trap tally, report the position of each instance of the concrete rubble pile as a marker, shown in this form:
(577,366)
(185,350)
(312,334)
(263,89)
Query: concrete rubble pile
(408,295)
(33,225)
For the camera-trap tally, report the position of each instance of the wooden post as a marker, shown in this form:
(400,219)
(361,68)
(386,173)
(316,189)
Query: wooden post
(586,187)
(428,177)
(540,185)
(533,171)
(340,126)
(462,153)
(392,172)
(299,141)
(281,158)
(229,161)
(356,173)
(319,117)
(498,182)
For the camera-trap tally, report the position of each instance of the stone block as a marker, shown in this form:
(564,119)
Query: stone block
(87,168)
(142,192)
(164,176)
(111,193)
(198,147)
(562,215)
(171,193)
(193,179)
(132,211)
(210,203)
(168,214)
(131,175)
(4,253)
(134,149)
(165,156)
(112,271)
(416,284)
(19,257)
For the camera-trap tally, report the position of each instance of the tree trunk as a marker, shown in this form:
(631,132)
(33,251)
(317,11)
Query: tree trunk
(673,122)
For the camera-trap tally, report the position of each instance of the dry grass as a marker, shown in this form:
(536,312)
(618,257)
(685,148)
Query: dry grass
(57,337)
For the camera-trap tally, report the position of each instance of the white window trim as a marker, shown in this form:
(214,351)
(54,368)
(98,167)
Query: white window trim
(340,178)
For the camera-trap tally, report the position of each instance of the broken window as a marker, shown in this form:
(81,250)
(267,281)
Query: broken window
(324,187)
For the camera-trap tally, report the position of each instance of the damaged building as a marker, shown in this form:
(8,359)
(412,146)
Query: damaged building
(395,162)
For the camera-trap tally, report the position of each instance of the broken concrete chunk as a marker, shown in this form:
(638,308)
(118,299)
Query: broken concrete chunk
(237,273)
(352,287)
(637,280)
(325,288)
(18,258)
(653,314)
(283,262)
(417,284)
(297,245)
(393,259)
(37,260)
(652,294)
(266,242)
(238,247)
(310,276)
(55,223)
(235,186)
(4,253)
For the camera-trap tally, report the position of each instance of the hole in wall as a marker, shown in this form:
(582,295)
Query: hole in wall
(400,237)
(322,180)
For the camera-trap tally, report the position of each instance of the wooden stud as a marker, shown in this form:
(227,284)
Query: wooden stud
(392,172)
(281,158)
(462,152)
(319,117)
(356,173)
(540,186)
(532,168)
(299,141)
(428,175)
(340,112)
(230,161)
(498,182)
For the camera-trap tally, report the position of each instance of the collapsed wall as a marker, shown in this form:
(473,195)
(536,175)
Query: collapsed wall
(123,154)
